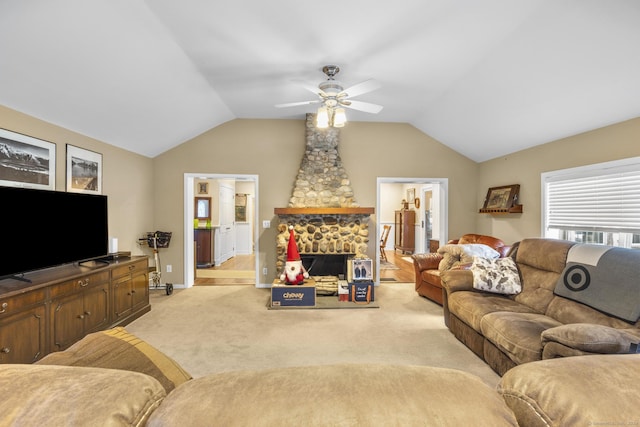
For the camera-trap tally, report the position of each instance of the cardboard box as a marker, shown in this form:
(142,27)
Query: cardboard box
(361,292)
(343,290)
(293,295)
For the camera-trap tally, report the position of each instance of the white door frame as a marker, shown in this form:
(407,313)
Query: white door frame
(189,178)
(441,203)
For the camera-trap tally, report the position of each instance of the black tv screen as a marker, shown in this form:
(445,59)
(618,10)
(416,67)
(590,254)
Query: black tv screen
(43,229)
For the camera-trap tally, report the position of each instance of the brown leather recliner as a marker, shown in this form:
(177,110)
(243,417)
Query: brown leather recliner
(426,265)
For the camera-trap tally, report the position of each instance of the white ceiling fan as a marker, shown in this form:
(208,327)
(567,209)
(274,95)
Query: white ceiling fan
(333,96)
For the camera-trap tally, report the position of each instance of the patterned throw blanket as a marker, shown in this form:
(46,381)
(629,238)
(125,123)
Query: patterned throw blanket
(606,278)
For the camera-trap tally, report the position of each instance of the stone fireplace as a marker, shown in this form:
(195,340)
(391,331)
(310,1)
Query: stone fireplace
(323,211)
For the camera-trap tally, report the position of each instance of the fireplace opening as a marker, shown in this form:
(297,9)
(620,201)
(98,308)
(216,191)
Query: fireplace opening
(326,264)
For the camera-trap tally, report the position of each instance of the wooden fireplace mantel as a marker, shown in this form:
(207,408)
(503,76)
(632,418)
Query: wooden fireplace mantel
(324,211)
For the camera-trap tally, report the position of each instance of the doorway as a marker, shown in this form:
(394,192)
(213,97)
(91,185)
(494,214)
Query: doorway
(427,198)
(231,232)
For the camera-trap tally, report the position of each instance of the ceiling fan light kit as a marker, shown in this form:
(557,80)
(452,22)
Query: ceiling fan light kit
(333,98)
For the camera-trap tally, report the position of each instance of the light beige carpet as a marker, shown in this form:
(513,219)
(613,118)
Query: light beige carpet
(215,329)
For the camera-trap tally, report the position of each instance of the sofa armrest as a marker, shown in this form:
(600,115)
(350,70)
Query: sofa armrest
(592,338)
(574,391)
(457,280)
(428,261)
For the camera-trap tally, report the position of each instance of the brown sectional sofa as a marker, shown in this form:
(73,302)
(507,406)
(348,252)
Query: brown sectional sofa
(428,283)
(535,324)
(112,378)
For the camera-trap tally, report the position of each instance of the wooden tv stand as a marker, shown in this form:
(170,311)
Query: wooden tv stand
(63,304)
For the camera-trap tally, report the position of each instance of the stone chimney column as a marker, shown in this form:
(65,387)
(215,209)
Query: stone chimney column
(321,181)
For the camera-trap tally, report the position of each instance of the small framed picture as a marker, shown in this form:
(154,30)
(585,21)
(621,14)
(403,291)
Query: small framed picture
(411,195)
(26,161)
(203,188)
(361,269)
(84,171)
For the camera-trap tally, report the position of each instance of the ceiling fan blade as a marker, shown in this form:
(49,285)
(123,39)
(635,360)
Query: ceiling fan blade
(311,88)
(295,104)
(360,88)
(367,107)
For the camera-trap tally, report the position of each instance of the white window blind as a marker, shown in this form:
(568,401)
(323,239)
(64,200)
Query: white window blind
(605,199)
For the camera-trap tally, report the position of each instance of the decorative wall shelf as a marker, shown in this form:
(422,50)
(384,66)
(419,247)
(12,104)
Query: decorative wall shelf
(502,200)
(512,209)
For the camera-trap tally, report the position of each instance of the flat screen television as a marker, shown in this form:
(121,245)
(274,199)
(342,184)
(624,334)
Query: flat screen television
(42,229)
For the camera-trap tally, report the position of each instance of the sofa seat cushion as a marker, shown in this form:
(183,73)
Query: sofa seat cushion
(517,334)
(432,277)
(41,395)
(335,395)
(593,338)
(574,391)
(471,307)
(118,349)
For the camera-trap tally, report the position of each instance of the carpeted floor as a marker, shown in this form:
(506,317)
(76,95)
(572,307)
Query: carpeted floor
(215,329)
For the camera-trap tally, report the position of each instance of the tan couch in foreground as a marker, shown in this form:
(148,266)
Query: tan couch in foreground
(585,390)
(102,385)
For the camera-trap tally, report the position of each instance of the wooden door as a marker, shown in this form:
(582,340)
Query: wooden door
(67,320)
(23,336)
(96,308)
(227,236)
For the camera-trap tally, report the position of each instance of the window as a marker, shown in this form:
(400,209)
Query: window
(597,204)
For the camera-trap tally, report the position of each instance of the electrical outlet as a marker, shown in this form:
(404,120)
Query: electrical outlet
(169,268)
(265,271)
(266,223)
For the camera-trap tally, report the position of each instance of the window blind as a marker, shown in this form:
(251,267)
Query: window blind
(606,201)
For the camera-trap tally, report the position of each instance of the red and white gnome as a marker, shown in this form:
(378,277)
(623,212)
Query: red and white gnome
(294,272)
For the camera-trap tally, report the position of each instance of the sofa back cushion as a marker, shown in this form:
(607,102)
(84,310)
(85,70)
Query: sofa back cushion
(490,241)
(540,261)
(41,395)
(118,349)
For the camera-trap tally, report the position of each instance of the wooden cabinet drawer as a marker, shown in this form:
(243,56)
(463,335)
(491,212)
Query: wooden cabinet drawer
(79,283)
(131,268)
(16,303)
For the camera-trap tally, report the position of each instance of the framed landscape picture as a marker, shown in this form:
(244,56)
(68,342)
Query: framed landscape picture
(501,197)
(84,171)
(26,161)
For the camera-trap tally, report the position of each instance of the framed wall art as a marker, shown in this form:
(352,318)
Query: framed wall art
(411,195)
(361,269)
(203,188)
(26,161)
(84,171)
(503,197)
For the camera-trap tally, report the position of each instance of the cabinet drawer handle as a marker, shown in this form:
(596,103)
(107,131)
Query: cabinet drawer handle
(87,313)
(5,350)
(80,316)
(83,283)
(133,292)
(4,307)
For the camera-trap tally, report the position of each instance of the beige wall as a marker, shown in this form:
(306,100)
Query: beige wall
(273,149)
(613,142)
(127,178)
(148,194)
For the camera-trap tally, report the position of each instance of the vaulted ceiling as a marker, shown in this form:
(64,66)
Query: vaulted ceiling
(484,77)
